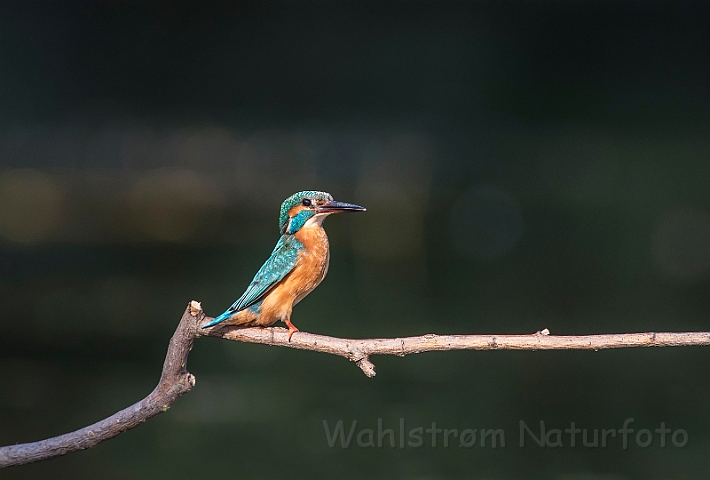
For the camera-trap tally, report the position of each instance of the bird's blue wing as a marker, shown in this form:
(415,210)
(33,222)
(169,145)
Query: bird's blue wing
(279,264)
(282,260)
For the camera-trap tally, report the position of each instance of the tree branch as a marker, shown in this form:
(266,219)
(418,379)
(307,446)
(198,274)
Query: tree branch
(176,380)
(359,351)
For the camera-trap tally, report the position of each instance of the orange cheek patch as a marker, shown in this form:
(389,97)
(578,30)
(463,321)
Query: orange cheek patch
(295,210)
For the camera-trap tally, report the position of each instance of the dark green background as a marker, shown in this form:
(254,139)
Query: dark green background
(525,165)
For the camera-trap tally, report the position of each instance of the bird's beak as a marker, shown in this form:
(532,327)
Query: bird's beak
(337,207)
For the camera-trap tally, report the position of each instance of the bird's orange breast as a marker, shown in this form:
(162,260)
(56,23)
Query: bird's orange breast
(310,269)
(313,261)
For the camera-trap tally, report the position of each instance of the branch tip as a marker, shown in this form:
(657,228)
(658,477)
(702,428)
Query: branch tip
(195,308)
(367,367)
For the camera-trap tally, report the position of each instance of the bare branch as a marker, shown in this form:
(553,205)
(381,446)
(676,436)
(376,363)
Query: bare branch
(176,380)
(359,351)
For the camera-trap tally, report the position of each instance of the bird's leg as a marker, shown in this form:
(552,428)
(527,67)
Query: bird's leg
(291,328)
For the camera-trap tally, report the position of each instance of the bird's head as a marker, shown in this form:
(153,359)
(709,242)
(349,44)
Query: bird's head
(310,207)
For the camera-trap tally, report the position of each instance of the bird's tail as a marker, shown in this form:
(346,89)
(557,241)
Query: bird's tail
(219,319)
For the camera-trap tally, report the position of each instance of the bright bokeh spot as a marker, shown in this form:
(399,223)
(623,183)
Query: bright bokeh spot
(173,206)
(485,223)
(31,205)
(681,243)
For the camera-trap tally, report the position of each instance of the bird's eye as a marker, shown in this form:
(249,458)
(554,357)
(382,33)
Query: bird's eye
(306,202)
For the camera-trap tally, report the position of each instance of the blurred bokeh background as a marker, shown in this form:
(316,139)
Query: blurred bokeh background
(525,165)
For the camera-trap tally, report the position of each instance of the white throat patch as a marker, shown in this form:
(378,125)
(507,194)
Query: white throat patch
(316,220)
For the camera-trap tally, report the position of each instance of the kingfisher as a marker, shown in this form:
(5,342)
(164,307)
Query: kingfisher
(297,265)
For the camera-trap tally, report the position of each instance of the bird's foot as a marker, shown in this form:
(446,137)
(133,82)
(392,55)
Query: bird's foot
(291,329)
